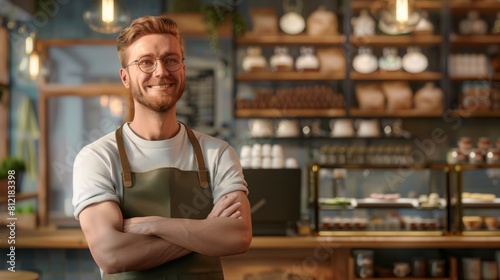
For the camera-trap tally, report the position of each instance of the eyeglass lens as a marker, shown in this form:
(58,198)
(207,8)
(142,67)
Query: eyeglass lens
(148,63)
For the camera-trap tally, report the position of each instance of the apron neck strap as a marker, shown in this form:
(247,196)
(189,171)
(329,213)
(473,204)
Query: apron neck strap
(127,171)
(202,170)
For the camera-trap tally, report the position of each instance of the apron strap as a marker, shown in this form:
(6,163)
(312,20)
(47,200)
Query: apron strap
(202,170)
(126,170)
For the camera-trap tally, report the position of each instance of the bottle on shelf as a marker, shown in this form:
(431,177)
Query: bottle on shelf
(281,61)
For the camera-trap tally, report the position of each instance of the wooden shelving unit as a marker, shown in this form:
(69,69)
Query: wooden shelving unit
(474,40)
(289,76)
(397,76)
(397,41)
(357,5)
(411,113)
(285,39)
(292,113)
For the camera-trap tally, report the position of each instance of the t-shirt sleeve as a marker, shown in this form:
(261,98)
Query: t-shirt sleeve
(92,181)
(229,174)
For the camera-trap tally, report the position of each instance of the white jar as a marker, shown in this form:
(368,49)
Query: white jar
(414,61)
(281,61)
(365,61)
(254,60)
(307,61)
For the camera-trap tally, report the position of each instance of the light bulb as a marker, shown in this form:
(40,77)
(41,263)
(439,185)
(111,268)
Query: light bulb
(34,66)
(396,16)
(107,16)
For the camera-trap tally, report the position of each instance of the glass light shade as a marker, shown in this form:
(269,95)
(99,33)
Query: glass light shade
(396,16)
(107,16)
(29,67)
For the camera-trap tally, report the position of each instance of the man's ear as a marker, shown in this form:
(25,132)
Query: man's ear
(124,76)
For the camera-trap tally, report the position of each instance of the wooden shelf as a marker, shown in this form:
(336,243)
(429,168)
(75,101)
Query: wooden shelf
(481,6)
(357,5)
(474,40)
(475,113)
(396,113)
(289,76)
(387,40)
(285,39)
(397,76)
(89,89)
(273,113)
(490,77)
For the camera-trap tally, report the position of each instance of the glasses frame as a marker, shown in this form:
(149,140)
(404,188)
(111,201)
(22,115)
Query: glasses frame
(136,62)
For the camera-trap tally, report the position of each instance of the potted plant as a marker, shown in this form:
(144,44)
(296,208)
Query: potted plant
(14,167)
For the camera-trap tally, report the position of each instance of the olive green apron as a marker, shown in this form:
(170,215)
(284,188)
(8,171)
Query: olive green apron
(173,193)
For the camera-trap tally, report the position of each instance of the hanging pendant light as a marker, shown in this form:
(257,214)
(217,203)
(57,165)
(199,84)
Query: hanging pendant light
(396,16)
(107,16)
(29,67)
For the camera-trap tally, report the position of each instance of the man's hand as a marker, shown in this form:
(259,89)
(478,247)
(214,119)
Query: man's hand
(226,207)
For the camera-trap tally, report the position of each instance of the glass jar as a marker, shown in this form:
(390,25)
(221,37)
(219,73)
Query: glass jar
(390,61)
(307,61)
(365,61)
(254,60)
(493,156)
(363,25)
(281,61)
(414,61)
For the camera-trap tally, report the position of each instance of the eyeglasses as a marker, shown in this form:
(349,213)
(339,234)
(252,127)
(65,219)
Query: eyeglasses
(148,63)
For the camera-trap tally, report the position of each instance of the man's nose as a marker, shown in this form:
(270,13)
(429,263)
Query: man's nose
(160,70)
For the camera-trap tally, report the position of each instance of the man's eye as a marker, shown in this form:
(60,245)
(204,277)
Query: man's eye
(146,62)
(171,61)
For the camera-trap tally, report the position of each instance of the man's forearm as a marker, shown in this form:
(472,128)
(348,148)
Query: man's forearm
(212,237)
(122,252)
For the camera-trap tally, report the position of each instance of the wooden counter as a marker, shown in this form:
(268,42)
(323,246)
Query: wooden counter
(74,239)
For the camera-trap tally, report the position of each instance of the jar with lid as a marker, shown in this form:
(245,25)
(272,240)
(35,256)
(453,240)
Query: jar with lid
(281,61)
(390,61)
(414,61)
(473,24)
(254,60)
(493,156)
(365,61)
(476,156)
(363,25)
(307,61)
(483,144)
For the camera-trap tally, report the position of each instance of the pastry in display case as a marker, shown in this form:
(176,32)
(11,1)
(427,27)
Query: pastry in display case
(380,199)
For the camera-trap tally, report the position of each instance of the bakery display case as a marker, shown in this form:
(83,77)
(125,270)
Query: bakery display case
(477,194)
(382,199)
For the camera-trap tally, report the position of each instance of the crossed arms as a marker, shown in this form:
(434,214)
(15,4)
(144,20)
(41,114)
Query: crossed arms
(119,245)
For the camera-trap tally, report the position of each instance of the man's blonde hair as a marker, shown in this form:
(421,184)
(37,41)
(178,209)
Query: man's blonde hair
(144,26)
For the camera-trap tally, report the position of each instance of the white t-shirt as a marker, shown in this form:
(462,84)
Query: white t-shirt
(97,169)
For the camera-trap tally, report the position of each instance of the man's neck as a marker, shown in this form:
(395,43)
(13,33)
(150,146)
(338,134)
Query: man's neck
(156,126)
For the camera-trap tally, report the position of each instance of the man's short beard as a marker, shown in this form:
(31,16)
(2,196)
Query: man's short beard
(160,107)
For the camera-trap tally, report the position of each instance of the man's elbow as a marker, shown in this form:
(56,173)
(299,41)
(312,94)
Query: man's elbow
(108,262)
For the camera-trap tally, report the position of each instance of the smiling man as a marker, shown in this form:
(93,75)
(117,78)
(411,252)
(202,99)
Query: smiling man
(155,199)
